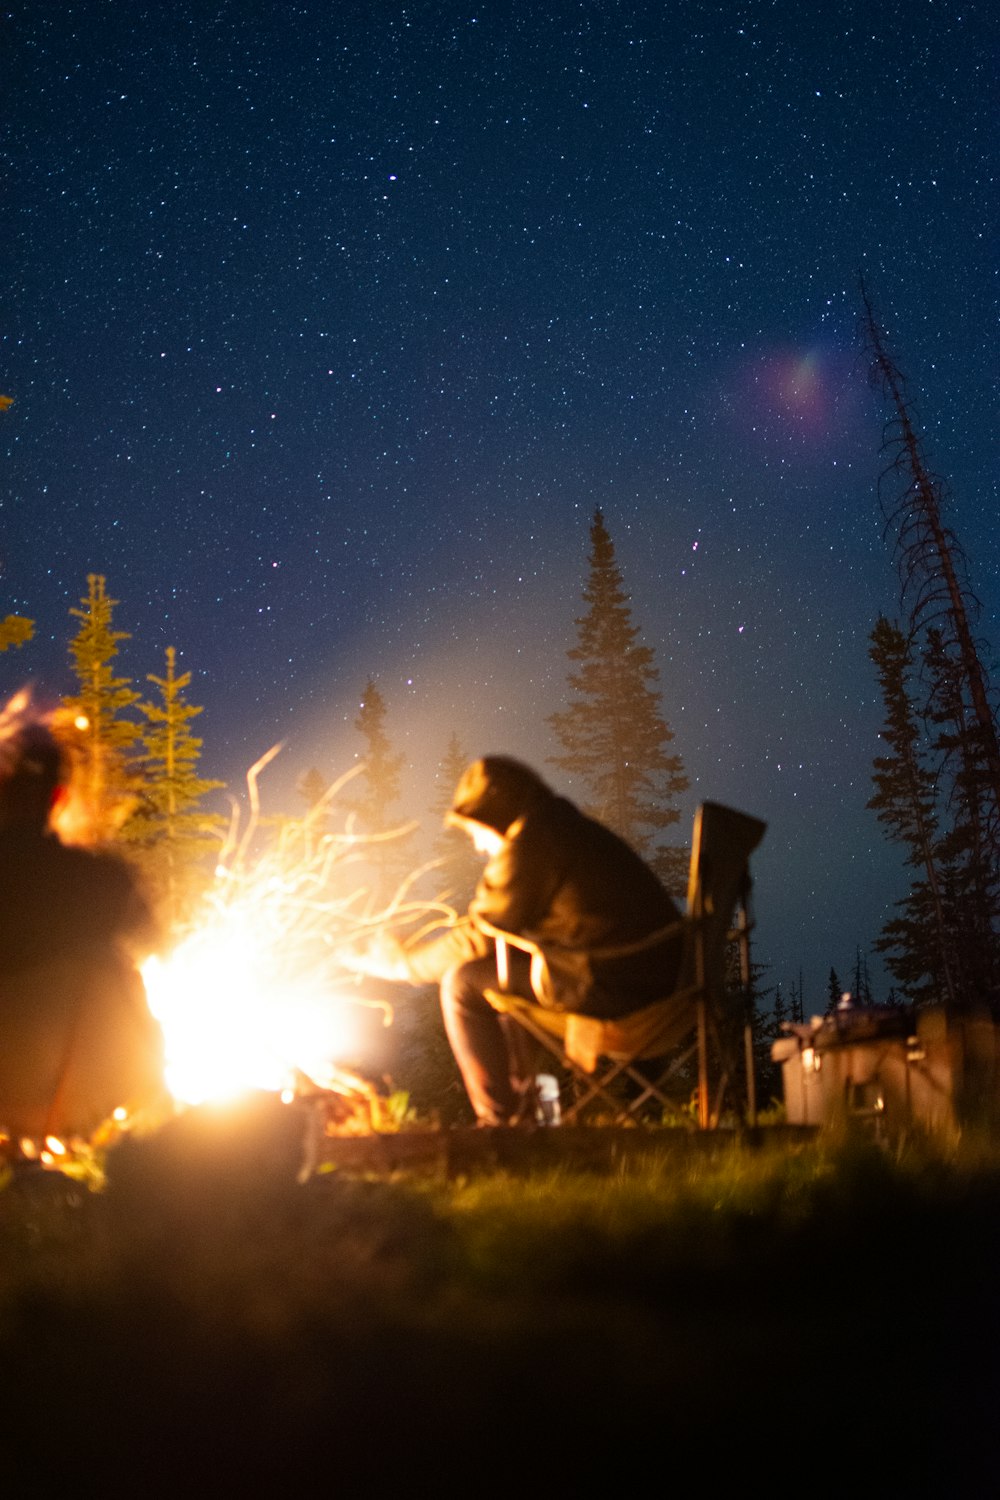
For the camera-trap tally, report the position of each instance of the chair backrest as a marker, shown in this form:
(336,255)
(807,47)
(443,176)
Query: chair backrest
(719,876)
(718,883)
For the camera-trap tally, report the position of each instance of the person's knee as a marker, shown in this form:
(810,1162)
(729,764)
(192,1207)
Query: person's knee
(463,985)
(453,987)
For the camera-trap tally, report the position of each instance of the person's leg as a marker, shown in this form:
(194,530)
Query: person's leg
(478,1037)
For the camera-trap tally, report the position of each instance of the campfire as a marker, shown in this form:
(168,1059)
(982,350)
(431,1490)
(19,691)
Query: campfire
(254,995)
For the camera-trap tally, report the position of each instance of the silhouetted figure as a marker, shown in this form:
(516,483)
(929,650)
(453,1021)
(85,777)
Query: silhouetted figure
(76,1037)
(571,886)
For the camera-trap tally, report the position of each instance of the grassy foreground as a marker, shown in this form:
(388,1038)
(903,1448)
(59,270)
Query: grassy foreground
(802,1318)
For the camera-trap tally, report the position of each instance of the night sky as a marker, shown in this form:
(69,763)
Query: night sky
(328,326)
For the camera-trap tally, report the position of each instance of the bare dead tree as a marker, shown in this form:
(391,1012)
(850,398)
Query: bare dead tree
(933,569)
(958,709)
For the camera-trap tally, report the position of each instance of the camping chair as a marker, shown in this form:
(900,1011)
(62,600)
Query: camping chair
(700,1011)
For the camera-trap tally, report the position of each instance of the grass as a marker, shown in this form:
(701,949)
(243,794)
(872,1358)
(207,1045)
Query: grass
(770,1315)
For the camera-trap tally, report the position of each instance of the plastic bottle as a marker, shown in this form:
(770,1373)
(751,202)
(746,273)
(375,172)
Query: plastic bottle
(547,1110)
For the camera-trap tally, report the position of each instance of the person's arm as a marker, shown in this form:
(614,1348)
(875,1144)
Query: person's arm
(386,958)
(429,963)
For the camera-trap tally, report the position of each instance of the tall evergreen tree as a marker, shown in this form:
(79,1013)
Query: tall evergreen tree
(917,940)
(834,992)
(374,803)
(746,1032)
(92,723)
(169,829)
(967,849)
(382,776)
(311,787)
(861,991)
(768,1030)
(613,735)
(461,865)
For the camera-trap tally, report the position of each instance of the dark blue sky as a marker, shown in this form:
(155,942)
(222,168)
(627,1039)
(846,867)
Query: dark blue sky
(329,326)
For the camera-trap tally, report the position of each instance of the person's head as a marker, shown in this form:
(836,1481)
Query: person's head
(491,796)
(32,773)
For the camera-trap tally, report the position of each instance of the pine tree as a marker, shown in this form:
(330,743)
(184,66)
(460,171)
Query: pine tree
(374,804)
(770,1029)
(613,735)
(460,864)
(966,849)
(105,784)
(169,830)
(751,1027)
(862,989)
(834,992)
(917,940)
(383,766)
(311,787)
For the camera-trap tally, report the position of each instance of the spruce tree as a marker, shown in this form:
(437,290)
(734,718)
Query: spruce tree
(381,779)
(770,1029)
(834,992)
(105,783)
(311,787)
(861,991)
(461,866)
(378,794)
(169,830)
(613,735)
(967,847)
(917,940)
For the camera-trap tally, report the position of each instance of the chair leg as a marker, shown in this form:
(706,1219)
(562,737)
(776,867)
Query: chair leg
(653,1088)
(593,1088)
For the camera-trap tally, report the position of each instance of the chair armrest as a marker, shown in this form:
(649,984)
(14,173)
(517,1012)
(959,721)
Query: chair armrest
(678,928)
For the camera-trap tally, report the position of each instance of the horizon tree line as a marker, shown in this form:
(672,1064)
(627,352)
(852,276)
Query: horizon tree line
(140,786)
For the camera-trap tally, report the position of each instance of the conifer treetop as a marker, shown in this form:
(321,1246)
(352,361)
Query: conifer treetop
(613,734)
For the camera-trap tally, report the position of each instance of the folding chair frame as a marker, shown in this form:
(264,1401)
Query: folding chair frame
(718,887)
(594,1086)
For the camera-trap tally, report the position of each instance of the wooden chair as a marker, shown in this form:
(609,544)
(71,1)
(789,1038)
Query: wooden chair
(702,1015)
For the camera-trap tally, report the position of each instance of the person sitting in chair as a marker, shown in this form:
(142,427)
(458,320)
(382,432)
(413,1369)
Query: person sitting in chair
(572,888)
(76,1036)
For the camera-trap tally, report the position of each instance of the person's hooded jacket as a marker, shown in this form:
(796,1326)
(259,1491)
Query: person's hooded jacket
(603,925)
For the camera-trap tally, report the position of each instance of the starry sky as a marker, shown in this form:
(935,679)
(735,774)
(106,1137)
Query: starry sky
(329,326)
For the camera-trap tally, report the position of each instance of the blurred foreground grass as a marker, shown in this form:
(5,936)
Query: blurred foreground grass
(806,1317)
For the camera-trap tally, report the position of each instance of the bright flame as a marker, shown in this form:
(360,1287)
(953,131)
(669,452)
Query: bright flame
(235,1017)
(253,995)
